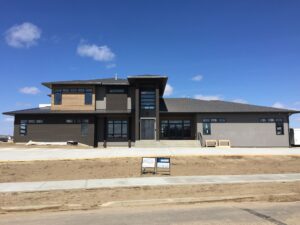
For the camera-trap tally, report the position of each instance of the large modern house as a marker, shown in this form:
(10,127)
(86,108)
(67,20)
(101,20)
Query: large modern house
(120,111)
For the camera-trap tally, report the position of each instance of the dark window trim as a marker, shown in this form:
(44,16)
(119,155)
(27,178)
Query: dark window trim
(279,128)
(185,123)
(124,130)
(76,121)
(214,120)
(23,127)
(148,99)
(57,96)
(208,129)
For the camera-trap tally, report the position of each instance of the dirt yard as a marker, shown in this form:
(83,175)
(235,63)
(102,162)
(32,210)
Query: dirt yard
(89,199)
(130,167)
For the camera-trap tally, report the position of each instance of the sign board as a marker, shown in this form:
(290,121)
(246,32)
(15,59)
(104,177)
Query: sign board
(163,163)
(155,165)
(148,163)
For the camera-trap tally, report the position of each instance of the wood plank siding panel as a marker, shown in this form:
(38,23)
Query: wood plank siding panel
(73,101)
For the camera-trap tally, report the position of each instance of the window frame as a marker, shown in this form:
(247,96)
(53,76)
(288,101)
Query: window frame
(88,92)
(113,124)
(279,128)
(23,126)
(57,96)
(208,128)
(148,99)
(165,129)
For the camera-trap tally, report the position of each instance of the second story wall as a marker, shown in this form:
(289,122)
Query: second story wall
(113,98)
(73,97)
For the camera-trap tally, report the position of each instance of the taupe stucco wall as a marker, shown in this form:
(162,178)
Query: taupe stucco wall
(245,130)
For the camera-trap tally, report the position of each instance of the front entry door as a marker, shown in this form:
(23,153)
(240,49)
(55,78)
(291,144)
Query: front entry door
(147,129)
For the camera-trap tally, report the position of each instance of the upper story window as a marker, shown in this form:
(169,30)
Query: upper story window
(116,90)
(57,96)
(148,99)
(88,96)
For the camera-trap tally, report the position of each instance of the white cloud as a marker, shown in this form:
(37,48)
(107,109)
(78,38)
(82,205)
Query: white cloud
(208,97)
(239,100)
(30,90)
(24,35)
(278,105)
(168,90)
(197,78)
(98,53)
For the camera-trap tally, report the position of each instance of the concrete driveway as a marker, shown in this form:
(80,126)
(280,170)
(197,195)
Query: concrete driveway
(29,154)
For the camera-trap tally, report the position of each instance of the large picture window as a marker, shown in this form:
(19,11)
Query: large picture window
(148,99)
(175,129)
(117,129)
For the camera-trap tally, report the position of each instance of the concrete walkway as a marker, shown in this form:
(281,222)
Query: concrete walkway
(30,154)
(145,181)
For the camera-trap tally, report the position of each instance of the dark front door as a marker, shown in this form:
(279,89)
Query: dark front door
(147,129)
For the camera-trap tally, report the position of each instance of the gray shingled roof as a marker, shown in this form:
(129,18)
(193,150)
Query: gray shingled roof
(173,105)
(188,105)
(104,81)
(47,110)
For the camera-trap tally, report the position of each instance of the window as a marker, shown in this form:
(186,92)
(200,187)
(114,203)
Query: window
(175,129)
(57,97)
(23,128)
(279,128)
(69,121)
(206,129)
(148,99)
(186,128)
(214,120)
(35,121)
(88,96)
(263,120)
(270,120)
(84,127)
(116,90)
(117,129)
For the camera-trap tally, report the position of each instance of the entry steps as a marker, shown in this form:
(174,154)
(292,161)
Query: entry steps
(167,143)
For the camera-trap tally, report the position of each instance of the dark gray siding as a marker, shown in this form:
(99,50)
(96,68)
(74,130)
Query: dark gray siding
(245,130)
(54,129)
(116,101)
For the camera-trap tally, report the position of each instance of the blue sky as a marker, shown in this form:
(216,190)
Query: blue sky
(244,51)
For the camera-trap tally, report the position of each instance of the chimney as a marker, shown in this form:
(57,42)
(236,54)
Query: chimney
(116,76)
